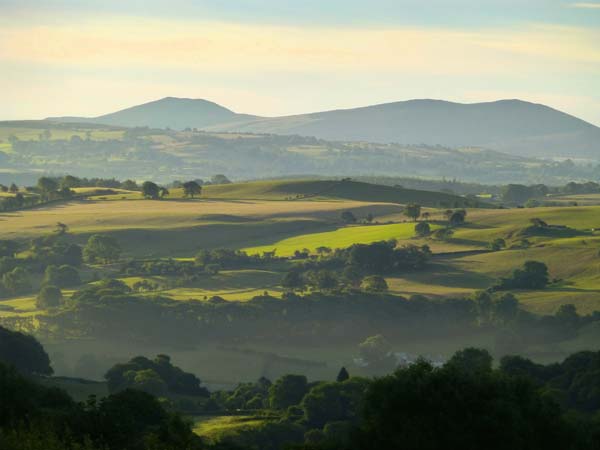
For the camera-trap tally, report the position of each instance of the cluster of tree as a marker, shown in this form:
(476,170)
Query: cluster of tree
(70,181)
(35,417)
(466,402)
(533,275)
(158,377)
(50,189)
(53,254)
(225,258)
(359,265)
(109,309)
(141,155)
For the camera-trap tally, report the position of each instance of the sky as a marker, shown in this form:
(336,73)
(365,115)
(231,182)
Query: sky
(279,57)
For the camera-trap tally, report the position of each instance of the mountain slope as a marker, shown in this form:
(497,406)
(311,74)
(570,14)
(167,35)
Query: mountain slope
(169,112)
(510,126)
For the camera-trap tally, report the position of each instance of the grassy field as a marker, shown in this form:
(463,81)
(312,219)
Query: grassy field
(327,189)
(179,228)
(20,306)
(238,285)
(339,238)
(215,428)
(32,130)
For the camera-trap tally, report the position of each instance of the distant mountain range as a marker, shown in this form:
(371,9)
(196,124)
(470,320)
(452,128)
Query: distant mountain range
(510,126)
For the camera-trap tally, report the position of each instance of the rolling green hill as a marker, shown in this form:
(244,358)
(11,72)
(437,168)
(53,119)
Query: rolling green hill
(334,189)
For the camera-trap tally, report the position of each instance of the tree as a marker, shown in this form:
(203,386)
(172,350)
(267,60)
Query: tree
(24,352)
(293,280)
(334,402)
(191,189)
(458,217)
(17,281)
(61,228)
(150,190)
(163,192)
(369,217)
(101,248)
(61,276)
(497,244)
(413,211)
(466,411)
(342,375)
(322,279)
(374,283)
(69,181)
(471,360)
(505,308)
(129,185)
(158,375)
(220,179)
(47,186)
(149,381)
(348,217)
(13,188)
(48,297)
(533,275)
(287,391)
(422,229)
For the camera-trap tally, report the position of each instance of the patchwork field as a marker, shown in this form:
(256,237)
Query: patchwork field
(286,216)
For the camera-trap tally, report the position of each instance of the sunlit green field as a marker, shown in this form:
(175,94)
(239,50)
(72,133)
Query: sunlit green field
(215,428)
(20,306)
(180,228)
(340,238)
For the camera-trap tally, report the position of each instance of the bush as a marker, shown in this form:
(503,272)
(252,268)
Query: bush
(101,248)
(48,297)
(533,275)
(422,229)
(63,276)
(374,283)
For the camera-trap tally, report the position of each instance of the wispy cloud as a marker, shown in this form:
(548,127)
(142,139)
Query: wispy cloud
(210,46)
(585,5)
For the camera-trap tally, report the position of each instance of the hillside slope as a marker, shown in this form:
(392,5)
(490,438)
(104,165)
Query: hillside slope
(169,112)
(511,126)
(332,189)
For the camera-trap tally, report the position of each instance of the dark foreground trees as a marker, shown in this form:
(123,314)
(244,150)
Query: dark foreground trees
(425,408)
(23,352)
(34,417)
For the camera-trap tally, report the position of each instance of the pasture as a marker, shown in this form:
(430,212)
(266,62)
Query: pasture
(340,238)
(216,428)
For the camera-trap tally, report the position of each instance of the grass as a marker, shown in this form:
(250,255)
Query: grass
(327,189)
(31,130)
(339,238)
(238,285)
(216,428)
(20,306)
(180,228)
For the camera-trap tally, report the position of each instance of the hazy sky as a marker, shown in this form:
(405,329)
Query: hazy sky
(274,57)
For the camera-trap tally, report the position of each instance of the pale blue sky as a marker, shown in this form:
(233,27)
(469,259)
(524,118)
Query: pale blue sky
(282,57)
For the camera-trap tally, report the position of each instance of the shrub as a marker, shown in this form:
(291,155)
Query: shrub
(48,297)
